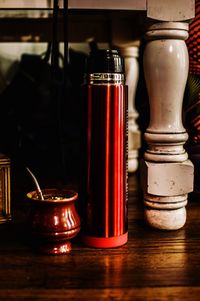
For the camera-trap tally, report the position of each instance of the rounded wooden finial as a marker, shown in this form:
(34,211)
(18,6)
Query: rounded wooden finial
(166,219)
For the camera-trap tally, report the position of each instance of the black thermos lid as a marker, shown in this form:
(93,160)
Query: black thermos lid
(105,61)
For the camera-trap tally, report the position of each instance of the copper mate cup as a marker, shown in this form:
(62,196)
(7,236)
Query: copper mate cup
(54,220)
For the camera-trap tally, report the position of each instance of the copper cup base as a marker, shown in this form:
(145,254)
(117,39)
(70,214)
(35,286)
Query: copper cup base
(53,248)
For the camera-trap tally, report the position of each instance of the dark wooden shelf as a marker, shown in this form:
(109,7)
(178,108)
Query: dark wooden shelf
(106,25)
(154,265)
(75,4)
(33,20)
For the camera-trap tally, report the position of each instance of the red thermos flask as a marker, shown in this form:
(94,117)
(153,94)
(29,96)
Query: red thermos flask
(104,183)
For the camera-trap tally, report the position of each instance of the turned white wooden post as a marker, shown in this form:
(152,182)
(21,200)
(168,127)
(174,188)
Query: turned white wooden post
(166,173)
(130,54)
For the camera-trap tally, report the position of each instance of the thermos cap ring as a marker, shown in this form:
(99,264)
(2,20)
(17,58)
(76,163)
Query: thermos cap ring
(106,78)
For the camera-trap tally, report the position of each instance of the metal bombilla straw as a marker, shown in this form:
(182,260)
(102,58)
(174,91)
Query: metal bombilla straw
(39,191)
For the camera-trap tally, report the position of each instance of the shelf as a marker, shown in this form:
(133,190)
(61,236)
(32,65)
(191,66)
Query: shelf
(111,4)
(75,4)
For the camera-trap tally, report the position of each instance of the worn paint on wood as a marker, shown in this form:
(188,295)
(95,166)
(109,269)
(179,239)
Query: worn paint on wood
(171,10)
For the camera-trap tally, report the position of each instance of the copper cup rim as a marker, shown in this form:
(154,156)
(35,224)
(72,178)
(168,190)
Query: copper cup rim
(53,195)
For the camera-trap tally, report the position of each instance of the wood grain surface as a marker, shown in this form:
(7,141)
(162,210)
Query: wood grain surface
(154,265)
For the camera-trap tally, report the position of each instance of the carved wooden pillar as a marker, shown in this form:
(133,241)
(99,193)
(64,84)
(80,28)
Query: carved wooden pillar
(130,54)
(167,173)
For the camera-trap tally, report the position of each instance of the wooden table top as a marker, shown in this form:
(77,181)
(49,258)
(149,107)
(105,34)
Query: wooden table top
(154,265)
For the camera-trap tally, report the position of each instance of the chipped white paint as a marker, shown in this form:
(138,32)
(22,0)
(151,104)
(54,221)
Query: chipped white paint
(167,174)
(166,219)
(166,67)
(130,54)
(168,179)
(168,10)
(167,213)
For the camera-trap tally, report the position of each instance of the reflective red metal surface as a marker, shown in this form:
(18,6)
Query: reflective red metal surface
(106,172)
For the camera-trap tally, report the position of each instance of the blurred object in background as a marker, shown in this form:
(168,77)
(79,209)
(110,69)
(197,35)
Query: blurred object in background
(192,96)
(30,116)
(130,53)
